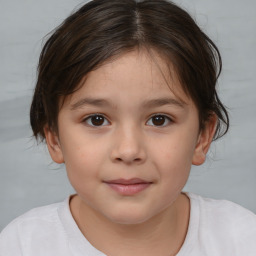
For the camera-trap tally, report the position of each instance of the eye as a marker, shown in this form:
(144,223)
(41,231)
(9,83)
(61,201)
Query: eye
(160,120)
(98,120)
(95,120)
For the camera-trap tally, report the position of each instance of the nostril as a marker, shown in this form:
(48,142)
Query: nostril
(135,160)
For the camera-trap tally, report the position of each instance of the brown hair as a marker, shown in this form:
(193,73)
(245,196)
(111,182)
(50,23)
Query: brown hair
(103,29)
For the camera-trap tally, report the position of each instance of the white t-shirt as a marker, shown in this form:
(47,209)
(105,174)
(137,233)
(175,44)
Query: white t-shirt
(216,227)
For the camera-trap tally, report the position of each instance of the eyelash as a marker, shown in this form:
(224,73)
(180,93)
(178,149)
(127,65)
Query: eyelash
(101,115)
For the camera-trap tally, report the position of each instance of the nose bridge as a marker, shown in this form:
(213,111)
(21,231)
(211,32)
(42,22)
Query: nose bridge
(128,146)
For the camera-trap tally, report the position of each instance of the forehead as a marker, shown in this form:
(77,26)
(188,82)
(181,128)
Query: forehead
(135,75)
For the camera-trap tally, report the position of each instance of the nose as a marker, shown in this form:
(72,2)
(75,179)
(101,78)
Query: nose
(128,146)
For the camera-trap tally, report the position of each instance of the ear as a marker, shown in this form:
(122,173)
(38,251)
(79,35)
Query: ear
(53,145)
(204,141)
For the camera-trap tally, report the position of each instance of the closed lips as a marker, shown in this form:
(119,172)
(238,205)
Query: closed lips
(128,181)
(128,187)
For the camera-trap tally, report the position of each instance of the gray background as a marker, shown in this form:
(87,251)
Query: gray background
(28,178)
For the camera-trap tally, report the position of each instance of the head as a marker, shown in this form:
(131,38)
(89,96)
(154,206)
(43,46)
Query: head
(102,30)
(127,52)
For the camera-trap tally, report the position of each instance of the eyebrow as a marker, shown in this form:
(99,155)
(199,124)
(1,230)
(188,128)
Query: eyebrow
(145,104)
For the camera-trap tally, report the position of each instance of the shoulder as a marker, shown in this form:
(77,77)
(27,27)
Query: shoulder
(222,209)
(37,223)
(224,224)
(44,214)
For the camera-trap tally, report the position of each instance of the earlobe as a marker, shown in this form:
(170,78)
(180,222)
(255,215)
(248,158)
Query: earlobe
(204,141)
(53,145)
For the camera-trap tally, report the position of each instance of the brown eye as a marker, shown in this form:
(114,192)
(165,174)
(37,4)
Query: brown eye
(95,120)
(160,120)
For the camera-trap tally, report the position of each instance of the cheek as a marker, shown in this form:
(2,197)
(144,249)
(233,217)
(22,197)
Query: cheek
(176,151)
(79,147)
(175,166)
(82,170)
(174,160)
(82,159)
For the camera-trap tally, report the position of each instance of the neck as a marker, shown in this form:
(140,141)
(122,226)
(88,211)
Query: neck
(163,234)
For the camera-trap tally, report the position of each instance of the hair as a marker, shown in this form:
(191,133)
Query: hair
(104,29)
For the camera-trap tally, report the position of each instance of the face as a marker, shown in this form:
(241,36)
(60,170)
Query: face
(128,142)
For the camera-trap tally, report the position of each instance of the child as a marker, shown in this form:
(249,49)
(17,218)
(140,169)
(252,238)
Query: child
(126,98)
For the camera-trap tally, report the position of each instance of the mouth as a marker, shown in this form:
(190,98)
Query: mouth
(128,187)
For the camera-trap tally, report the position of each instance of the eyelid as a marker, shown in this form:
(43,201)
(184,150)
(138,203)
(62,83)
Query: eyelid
(161,114)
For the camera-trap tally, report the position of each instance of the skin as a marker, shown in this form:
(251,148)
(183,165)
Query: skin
(127,144)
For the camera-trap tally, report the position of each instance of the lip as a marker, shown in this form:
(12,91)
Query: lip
(128,187)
